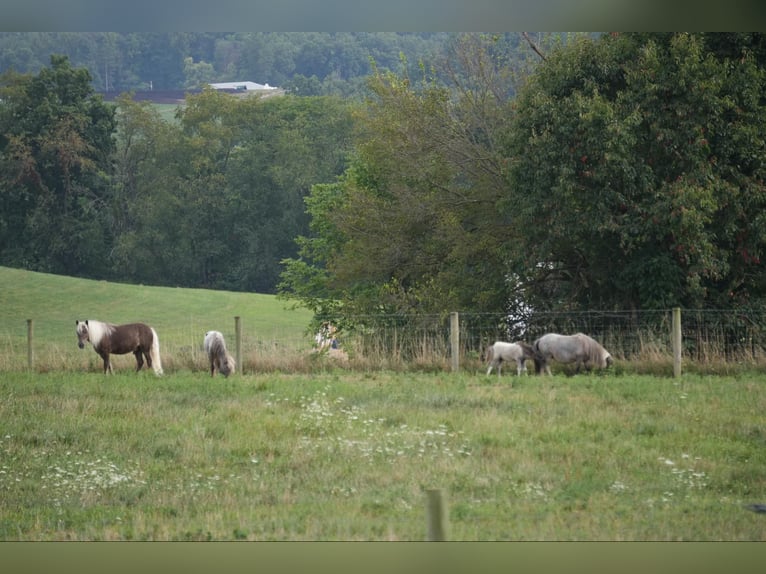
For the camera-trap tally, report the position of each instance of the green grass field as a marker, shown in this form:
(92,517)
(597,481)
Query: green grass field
(348,456)
(180,316)
(332,453)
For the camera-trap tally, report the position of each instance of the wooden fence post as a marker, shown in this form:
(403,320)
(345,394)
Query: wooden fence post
(238,343)
(676,341)
(437,516)
(454,337)
(30,345)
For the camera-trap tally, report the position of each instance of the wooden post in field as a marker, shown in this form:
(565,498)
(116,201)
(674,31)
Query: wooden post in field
(30,346)
(436,514)
(238,343)
(676,341)
(454,339)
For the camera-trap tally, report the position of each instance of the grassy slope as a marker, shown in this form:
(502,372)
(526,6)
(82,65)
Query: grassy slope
(181,316)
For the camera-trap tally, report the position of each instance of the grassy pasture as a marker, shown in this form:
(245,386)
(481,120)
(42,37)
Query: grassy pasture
(329,453)
(337,455)
(180,316)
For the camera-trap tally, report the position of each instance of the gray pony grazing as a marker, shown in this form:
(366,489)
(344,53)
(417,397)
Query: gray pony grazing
(218,355)
(578,348)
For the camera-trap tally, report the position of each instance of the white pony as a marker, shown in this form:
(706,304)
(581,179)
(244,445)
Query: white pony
(578,348)
(218,355)
(501,351)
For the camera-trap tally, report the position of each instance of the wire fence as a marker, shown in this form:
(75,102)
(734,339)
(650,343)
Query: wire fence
(403,341)
(707,335)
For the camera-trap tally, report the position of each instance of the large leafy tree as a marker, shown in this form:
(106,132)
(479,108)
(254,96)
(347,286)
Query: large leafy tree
(413,225)
(641,161)
(55,159)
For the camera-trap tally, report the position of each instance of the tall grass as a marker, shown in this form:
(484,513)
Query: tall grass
(340,455)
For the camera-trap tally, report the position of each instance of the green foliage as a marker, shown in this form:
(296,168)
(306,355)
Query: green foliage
(216,198)
(335,63)
(413,225)
(55,152)
(642,175)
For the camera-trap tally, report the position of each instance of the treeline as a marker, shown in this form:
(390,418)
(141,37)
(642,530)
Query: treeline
(627,173)
(308,64)
(623,171)
(213,199)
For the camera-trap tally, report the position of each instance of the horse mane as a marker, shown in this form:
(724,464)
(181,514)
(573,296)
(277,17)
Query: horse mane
(97,330)
(217,344)
(218,354)
(594,350)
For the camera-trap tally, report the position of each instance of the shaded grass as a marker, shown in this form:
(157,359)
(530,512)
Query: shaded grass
(344,456)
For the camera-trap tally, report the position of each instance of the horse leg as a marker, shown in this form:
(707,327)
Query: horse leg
(105,357)
(139,359)
(148,358)
(495,364)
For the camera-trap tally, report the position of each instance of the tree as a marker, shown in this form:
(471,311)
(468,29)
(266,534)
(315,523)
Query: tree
(216,199)
(641,161)
(413,223)
(55,152)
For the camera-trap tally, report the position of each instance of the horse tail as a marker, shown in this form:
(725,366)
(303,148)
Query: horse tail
(154,353)
(490,353)
(527,349)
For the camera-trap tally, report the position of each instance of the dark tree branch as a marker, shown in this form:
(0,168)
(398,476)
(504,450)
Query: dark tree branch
(534,46)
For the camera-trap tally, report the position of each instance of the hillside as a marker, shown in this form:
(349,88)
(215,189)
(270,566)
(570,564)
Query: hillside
(181,316)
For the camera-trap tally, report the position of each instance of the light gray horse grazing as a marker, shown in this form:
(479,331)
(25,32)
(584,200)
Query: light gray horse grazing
(218,355)
(578,348)
(501,351)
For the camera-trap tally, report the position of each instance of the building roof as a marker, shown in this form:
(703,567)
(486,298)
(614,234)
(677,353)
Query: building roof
(241,86)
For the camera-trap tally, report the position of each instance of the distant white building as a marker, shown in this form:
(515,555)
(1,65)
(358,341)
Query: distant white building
(242,86)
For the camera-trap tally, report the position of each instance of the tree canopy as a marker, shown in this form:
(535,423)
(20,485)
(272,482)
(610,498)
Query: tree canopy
(619,171)
(56,145)
(212,199)
(640,165)
(625,171)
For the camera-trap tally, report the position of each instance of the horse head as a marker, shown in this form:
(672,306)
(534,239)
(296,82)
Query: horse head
(82,333)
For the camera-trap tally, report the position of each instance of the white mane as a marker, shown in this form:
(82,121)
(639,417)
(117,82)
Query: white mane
(96,330)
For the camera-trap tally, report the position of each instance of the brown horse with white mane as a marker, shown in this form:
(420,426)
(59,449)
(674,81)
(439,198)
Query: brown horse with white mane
(136,338)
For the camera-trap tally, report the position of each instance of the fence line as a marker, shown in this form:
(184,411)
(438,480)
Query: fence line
(459,339)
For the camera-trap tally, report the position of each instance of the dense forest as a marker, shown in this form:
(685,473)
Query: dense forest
(400,173)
